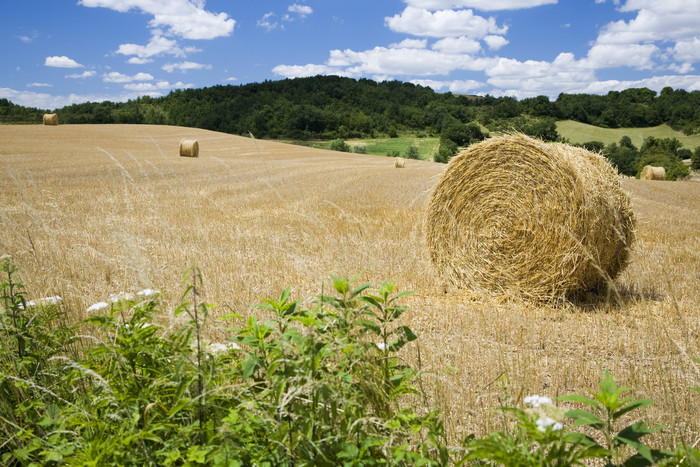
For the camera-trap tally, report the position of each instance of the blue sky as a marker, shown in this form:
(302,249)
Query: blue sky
(60,52)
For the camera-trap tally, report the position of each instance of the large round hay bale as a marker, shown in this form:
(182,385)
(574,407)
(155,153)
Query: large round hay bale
(514,214)
(189,148)
(650,172)
(399,163)
(50,119)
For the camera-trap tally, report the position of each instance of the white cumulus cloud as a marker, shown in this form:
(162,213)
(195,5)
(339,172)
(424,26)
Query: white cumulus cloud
(182,18)
(443,23)
(158,45)
(495,42)
(410,44)
(61,62)
(457,45)
(301,10)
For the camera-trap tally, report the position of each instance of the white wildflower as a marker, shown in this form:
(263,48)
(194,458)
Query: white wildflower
(216,348)
(543,423)
(118,297)
(98,306)
(536,401)
(147,293)
(54,299)
(42,301)
(381,345)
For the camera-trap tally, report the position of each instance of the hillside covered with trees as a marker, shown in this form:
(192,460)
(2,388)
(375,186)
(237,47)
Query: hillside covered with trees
(329,107)
(336,108)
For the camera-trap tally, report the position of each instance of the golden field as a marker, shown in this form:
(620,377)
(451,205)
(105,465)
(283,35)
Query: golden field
(91,210)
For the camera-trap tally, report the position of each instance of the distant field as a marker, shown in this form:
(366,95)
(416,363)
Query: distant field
(580,133)
(91,210)
(427,147)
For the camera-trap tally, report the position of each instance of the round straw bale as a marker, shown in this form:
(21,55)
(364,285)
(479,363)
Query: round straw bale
(399,163)
(650,172)
(189,148)
(514,214)
(50,119)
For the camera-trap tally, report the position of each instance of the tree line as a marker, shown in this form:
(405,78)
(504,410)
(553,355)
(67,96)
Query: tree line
(330,107)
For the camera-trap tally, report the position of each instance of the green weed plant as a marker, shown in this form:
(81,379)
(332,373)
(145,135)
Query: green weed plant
(324,385)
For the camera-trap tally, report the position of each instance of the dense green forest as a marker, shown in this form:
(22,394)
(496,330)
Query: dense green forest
(331,107)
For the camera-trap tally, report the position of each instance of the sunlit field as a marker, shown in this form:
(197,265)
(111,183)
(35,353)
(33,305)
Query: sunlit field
(88,211)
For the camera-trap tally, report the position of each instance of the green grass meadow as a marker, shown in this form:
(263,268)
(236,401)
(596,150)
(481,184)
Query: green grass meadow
(382,146)
(577,132)
(427,147)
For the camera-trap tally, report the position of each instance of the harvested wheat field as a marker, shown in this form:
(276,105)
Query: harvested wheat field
(87,211)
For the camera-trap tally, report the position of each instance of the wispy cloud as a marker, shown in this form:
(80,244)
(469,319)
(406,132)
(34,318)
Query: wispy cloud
(39,85)
(83,75)
(185,66)
(116,77)
(268,22)
(28,39)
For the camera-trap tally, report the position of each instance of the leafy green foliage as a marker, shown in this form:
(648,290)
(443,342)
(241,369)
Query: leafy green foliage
(339,145)
(292,385)
(624,157)
(695,159)
(317,386)
(544,128)
(447,150)
(412,153)
(607,409)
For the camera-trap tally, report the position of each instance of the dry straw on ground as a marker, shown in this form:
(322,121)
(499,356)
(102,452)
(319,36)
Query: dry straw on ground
(91,210)
(653,173)
(514,213)
(399,163)
(189,148)
(50,119)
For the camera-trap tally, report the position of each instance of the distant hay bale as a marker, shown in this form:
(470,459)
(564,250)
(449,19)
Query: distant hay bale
(189,148)
(399,163)
(516,214)
(50,119)
(653,173)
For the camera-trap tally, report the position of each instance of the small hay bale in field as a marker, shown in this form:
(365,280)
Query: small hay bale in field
(514,214)
(653,173)
(189,148)
(50,119)
(399,163)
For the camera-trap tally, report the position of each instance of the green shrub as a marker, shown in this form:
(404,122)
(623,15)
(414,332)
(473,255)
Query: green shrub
(446,151)
(339,145)
(695,159)
(412,152)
